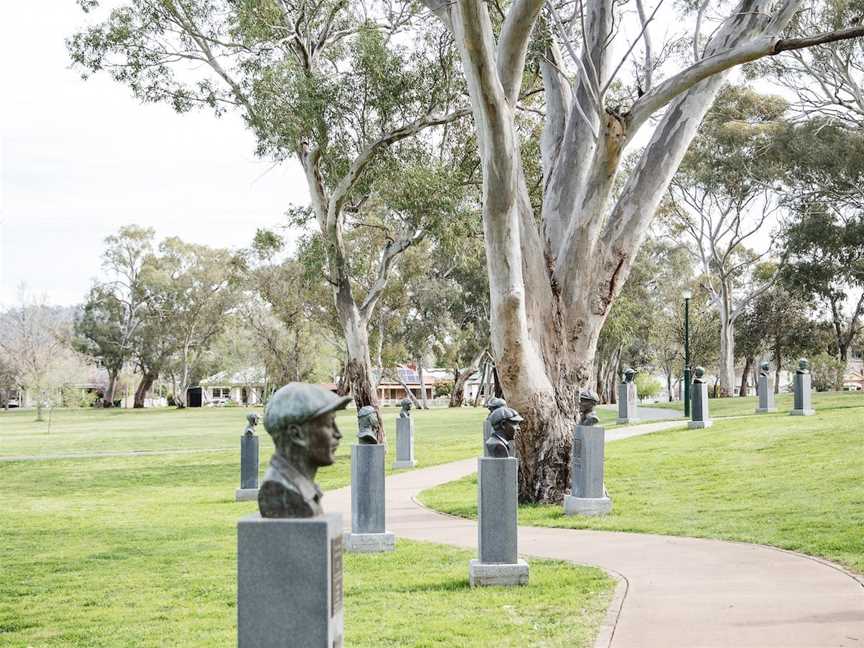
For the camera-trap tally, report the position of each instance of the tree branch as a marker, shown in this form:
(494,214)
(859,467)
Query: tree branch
(752,50)
(513,45)
(346,183)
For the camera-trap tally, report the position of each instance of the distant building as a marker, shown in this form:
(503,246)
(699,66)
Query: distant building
(243,387)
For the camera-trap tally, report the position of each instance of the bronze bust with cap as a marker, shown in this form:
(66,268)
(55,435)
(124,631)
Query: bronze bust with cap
(587,402)
(301,419)
(505,424)
(368,428)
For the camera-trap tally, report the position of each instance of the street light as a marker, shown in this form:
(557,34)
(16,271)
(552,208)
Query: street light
(687,294)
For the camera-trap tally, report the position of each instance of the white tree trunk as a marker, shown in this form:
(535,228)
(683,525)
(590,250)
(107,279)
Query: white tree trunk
(727,344)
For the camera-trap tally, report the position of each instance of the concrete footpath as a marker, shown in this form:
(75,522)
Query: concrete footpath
(672,591)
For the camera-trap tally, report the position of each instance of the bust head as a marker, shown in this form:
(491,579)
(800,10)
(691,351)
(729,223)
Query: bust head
(587,402)
(764,368)
(629,375)
(505,422)
(494,403)
(252,418)
(803,366)
(301,420)
(405,404)
(367,420)
(699,373)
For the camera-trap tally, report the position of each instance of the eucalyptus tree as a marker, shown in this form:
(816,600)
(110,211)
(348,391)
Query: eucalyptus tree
(100,334)
(552,284)
(724,201)
(826,265)
(190,289)
(349,90)
(108,324)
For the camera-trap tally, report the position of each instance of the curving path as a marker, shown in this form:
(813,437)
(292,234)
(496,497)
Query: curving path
(672,591)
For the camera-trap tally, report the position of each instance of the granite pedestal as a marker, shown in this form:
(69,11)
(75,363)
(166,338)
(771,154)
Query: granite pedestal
(700,417)
(248,469)
(404,443)
(487,432)
(628,403)
(289,582)
(587,493)
(368,533)
(803,396)
(766,395)
(497,499)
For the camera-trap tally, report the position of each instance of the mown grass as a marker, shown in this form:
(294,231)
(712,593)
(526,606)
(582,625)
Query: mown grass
(745,406)
(795,483)
(141,551)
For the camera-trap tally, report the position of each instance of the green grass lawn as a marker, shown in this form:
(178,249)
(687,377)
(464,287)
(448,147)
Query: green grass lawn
(141,551)
(791,482)
(722,407)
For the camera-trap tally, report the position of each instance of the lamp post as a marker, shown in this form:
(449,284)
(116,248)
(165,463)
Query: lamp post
(687,294)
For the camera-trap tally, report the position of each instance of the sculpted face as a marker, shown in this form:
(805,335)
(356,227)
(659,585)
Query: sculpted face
(323,439)
(509,428)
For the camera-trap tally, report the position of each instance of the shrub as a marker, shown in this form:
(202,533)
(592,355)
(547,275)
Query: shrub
(827,372)
(647,386)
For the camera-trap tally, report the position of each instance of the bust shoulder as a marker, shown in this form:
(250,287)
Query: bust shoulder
(277,498)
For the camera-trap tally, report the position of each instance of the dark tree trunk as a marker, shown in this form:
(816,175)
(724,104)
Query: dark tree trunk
(147,380)
(343,385)
(748,362)
(499,392)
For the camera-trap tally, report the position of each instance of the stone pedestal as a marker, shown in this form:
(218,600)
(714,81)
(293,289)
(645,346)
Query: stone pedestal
(368,533)
(248,469)
(404,444)
(587,493)
(699,407)
(487,432)
(289,582)
(246,494)
(497,501)
(628,403)
(803,397)
(766,395)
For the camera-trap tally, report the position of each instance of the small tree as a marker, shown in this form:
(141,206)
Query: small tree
(827,372)
(34,340)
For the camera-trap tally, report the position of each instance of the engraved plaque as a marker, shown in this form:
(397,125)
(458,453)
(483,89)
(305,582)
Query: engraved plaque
(335,575)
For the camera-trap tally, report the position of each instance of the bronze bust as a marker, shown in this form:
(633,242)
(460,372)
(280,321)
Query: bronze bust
(301,420)
(367,419)
(803,366)
(764,368)
(494,403)
(505,424)
(252,419)
(629,375)
(699,372)
(587,402)
(405,404)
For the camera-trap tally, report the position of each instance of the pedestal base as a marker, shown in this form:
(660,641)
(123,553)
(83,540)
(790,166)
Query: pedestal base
(698,425)
(765,410)
(369,542)
(626,421)
(497,574)
(245,494)
(587,505)
(404,464)
(802,412)
(289,582)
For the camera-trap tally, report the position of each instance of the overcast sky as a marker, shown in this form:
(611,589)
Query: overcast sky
(78,159)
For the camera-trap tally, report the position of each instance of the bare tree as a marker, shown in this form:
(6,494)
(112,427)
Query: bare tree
(34,340)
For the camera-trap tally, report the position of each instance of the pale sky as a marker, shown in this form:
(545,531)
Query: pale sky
(78,159)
